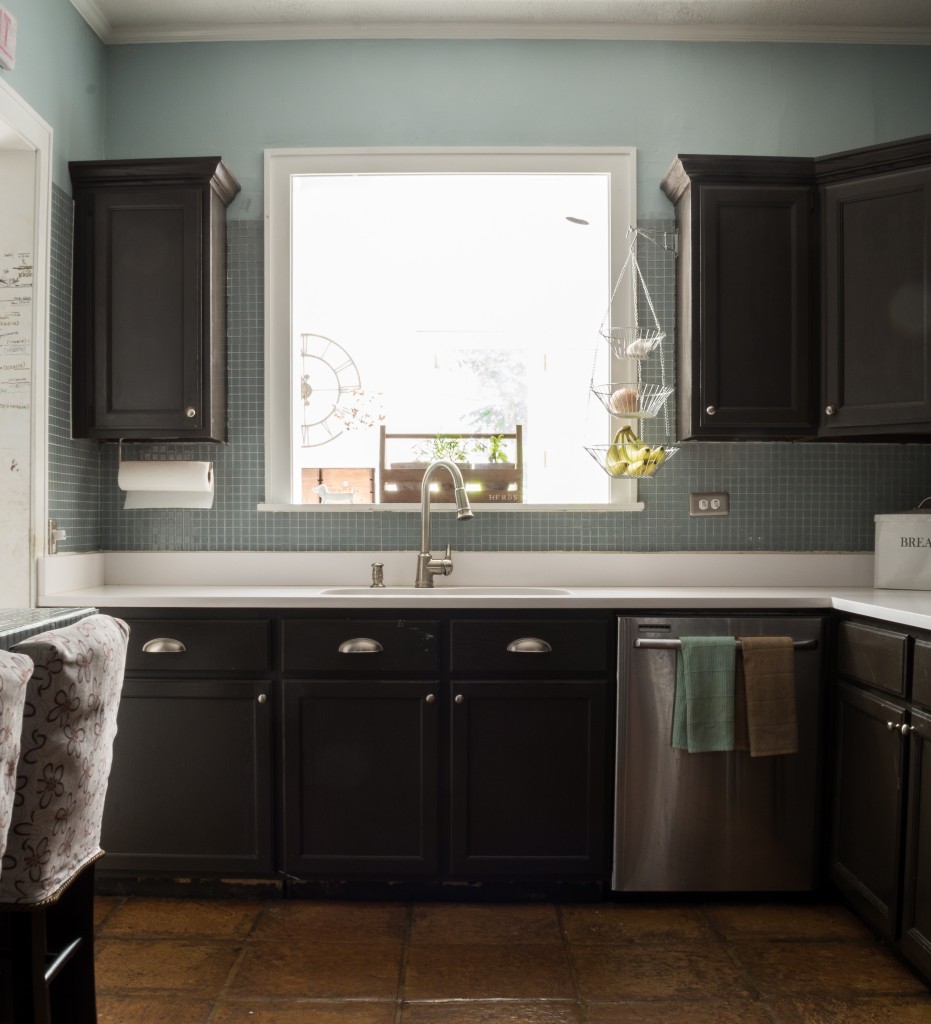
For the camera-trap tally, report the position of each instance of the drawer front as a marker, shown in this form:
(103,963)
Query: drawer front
(195,645)
(520,646)
(872,656)
(359,646)
(921,681)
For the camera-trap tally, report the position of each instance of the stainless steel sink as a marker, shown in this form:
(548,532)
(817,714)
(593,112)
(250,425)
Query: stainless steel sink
(450,591)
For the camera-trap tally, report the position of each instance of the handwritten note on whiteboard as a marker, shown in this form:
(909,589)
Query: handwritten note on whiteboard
(7,40)
(15,342)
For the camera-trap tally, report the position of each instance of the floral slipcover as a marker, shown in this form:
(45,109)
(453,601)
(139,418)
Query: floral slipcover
(69,724)
(15,670)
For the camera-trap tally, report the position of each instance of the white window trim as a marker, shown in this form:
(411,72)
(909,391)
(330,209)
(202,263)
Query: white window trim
(280,164)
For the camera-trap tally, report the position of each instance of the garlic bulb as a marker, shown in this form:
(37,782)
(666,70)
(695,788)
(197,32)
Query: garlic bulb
(636,349)
(624,400)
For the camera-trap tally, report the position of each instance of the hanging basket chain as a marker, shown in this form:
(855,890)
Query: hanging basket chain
(617,284)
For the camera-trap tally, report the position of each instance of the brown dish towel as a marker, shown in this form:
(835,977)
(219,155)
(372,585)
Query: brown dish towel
(765,720)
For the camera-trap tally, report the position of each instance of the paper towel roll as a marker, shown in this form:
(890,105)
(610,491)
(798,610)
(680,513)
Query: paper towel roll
(156,484)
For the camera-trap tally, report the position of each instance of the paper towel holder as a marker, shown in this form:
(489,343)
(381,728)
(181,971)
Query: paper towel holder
(119,462)
(119,456)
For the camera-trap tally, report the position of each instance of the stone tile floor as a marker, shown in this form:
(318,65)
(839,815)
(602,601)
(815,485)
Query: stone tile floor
(176,961)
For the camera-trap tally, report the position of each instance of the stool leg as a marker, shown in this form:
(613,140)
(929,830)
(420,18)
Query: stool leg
(37,938)
(30,993)
(73,991)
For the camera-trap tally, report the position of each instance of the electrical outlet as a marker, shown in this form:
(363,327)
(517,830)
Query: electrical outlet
(710,503)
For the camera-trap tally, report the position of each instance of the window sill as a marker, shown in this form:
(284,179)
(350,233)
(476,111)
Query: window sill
(635,506)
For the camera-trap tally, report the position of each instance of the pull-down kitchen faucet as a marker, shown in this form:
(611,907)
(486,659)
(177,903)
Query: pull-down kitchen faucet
(427,565)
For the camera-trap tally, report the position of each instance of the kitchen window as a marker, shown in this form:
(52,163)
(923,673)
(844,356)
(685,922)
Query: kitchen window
(444,293)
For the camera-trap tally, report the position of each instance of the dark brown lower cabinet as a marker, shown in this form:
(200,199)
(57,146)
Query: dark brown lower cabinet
(359,777)
(882,799)
(190,789)
(527,778)
(867,805)
(327,748)
(362,765)
(916,905)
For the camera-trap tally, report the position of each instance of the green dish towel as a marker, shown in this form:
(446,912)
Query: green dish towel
(703,710)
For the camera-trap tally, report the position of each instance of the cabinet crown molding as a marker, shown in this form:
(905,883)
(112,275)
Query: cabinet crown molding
(170,171)
(869,160)
(709,168)
(735,170)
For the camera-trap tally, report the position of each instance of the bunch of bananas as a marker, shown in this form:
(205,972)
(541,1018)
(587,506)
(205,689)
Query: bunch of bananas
(629,456)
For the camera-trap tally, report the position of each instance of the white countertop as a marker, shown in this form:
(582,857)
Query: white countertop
(516,580)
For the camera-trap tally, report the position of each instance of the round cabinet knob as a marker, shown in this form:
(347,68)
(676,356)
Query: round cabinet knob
(906,729)
(190,412)
(262,698)
(459,698)
(711,410)
(430,698)
(891,726)
(830,410)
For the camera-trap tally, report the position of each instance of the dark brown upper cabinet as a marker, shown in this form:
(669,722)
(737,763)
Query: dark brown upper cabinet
(876,288)
(149,304)
(746,351)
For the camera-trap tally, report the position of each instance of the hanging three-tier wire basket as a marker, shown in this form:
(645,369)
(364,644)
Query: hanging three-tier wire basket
(632,401)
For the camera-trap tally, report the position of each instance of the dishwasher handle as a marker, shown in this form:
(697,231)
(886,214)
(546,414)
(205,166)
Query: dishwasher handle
(668,644)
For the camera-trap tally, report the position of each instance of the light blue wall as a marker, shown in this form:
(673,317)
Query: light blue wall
(664,98)
(61,73)
(234,100)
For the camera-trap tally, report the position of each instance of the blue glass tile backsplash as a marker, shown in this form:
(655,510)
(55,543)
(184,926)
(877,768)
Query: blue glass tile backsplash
(784,497)
(74,466)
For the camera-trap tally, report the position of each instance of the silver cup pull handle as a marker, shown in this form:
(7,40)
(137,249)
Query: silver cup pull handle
(163,645)
(360,645)
(529,645)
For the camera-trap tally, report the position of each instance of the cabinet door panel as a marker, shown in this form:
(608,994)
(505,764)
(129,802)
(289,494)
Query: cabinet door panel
(916,909)
(877,277)
(867,812)
(755,322)
(360,777)
(527,778)
(191,784)
(147,300)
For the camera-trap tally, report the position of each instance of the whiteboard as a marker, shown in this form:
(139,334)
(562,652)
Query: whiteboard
(17,318)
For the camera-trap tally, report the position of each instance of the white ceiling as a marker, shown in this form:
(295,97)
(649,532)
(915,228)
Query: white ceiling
(864,21)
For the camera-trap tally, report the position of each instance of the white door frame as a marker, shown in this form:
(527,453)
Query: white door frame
(22,126)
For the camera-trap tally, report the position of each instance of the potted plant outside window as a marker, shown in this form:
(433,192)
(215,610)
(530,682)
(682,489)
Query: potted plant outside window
(493,479)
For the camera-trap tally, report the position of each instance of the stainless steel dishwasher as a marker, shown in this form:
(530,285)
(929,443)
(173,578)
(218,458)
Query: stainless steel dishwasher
(712,822)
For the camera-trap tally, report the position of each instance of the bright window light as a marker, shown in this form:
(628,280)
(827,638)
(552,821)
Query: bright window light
(455,299)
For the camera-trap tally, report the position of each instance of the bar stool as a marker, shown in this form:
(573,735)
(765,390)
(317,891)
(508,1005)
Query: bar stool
(47,875)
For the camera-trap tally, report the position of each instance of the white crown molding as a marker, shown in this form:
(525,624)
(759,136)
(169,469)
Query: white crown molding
(95,18)
(514,30)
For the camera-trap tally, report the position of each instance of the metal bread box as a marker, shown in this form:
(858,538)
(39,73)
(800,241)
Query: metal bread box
(903,550)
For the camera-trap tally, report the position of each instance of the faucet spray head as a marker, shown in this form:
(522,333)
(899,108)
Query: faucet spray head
(463,508)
